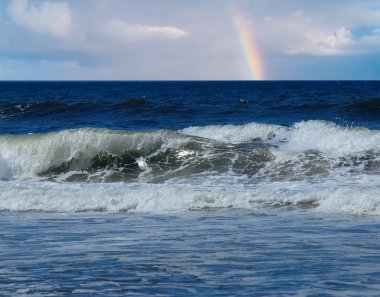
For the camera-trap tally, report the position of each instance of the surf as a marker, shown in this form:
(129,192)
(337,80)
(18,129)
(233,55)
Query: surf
(312,164)
(251,150)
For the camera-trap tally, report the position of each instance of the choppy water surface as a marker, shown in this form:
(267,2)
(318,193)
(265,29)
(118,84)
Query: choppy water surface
(224,253)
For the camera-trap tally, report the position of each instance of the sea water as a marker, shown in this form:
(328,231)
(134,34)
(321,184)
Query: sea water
(190,188)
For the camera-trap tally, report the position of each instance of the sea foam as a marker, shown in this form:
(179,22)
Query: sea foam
(164,198)
(313,164)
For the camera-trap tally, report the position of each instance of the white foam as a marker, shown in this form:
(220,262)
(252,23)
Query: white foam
(358,201)
(236,133)
(165,198)
(324,137)
(331,139)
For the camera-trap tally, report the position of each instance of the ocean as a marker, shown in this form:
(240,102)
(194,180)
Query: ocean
(190,188)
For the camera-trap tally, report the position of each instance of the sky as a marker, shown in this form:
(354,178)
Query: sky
(189,40)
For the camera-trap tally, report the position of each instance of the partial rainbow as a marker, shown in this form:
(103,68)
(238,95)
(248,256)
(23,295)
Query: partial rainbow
(249,46)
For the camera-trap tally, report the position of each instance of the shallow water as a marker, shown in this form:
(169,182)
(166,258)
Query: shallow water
(227,252)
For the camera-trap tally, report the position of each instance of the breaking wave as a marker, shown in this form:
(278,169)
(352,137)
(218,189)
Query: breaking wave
(312,164)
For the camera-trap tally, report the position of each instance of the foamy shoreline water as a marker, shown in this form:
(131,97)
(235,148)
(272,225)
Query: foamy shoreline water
(165,198)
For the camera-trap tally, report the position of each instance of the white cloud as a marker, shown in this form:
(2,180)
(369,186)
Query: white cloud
(315,30)
(52,18)
(126,32)
(336,43)
(340,37)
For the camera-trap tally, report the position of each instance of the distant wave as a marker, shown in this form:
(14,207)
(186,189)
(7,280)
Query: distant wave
(368,107)
(51,107)
(35,109)
(132,102)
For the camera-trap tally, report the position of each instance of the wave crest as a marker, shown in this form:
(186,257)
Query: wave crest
(311,164)
(253,152)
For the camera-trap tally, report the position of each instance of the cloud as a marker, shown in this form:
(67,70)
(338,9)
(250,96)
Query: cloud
(336,43)
(339,38)
(313,32)
(126,32)
(53,18)
(127,39)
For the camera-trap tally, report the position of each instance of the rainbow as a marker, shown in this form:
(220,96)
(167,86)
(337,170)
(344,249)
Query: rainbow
(249,47)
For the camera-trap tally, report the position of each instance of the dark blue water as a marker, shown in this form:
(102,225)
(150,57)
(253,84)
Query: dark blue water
(35,107)
(231,188)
